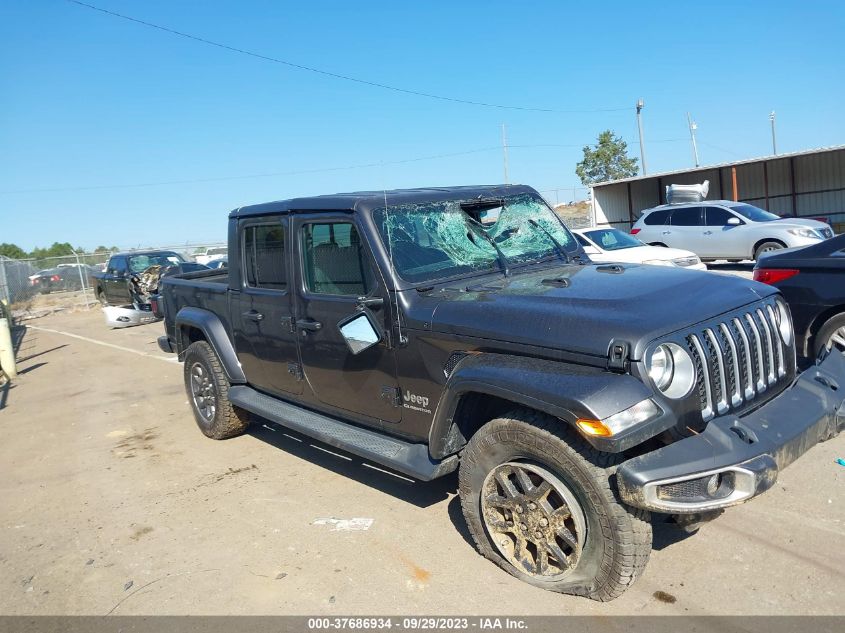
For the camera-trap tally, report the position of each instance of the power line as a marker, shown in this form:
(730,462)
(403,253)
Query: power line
(300,172)
(334,75)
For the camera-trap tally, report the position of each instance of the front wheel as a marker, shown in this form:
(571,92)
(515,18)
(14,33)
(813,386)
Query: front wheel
(767,247)
(539,503)
(208,394)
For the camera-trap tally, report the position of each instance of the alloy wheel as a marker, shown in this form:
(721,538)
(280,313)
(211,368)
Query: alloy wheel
(533,519)
(202,392)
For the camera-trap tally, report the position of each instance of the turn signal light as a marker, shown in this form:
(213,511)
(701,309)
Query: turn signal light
(774,275)
(593,427)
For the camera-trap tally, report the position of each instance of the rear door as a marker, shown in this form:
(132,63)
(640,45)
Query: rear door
(684,230)
(262,308)
(337,277)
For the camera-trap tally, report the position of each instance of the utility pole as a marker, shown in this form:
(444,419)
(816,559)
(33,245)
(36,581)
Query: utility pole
(505,152)
(640,105)
(692,128)
(774,142)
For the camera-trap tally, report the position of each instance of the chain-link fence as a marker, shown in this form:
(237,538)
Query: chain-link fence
(34,287)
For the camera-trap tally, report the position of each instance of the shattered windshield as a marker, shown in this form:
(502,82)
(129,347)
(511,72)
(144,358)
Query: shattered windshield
(435,240)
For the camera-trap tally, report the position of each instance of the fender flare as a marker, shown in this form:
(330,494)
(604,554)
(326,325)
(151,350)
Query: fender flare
(563,390)
(212,328)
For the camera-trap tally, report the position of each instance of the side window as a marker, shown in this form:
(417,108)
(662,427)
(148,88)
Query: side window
(688,216)
(264,256)
(335,263)
(117,265)
(657,217)
(716,216)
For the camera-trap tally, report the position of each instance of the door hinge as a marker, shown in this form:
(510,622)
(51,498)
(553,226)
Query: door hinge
(392,395)
(617,356)
(289,322)
(295,370)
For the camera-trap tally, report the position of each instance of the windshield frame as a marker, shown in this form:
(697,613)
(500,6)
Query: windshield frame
(572,250)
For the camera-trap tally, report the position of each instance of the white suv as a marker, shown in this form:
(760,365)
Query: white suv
(721,229)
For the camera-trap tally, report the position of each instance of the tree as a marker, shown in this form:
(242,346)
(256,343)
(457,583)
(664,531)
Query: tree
(608,160)
(12,251)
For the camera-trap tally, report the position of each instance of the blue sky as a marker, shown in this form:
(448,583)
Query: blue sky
(91,102)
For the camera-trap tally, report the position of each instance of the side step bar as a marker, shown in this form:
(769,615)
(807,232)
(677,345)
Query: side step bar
(411,459)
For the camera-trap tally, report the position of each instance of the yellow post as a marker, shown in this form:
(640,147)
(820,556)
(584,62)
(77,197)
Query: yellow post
(7,352)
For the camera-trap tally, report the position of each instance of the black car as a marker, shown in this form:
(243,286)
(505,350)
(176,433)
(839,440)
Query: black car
(61,278)
(812,280)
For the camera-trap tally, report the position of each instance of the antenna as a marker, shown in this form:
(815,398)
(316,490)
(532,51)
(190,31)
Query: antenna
(505,151)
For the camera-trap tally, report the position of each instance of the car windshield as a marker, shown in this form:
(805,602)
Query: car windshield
(140,263)
(436,240)
(613,239)
(755,214)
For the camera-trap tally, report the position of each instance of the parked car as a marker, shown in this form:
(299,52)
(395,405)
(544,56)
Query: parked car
(429,330)
(613,245)
(812,280)
(220,262)
(118,285)
(211,253)
(721,229)
(60,278)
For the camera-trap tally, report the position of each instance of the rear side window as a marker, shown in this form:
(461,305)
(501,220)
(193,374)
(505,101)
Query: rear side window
(657,217)
(716,216)
(264,257)
(334,260)
(688,216)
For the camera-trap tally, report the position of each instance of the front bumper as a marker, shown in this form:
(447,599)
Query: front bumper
(735,459)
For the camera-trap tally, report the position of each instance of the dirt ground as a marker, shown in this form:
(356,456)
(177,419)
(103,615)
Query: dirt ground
(111,501)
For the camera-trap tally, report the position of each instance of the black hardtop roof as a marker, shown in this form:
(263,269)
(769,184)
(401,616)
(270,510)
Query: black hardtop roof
(369,200)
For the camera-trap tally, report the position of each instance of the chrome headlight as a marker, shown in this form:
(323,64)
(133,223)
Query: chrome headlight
(671,370)
(811,233)
(784,321)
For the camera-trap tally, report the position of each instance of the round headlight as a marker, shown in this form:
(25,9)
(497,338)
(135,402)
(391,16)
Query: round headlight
(661,367)
(671,369)
(784,322)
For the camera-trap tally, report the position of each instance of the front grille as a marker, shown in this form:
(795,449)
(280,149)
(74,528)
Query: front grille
(738,359)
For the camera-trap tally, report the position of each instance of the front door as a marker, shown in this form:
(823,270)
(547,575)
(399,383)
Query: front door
(262,309)
(720,238)
(337,278)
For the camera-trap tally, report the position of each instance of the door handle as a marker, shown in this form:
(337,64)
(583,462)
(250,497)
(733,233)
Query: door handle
(708,232)
(667,232)
(309,324)
(252,315)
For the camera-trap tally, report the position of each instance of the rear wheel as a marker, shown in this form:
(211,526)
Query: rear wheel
(539,503)
(208,394)
(101,297)
(831,336)
(767,247)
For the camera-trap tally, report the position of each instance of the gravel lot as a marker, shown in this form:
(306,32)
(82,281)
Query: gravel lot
(113,502)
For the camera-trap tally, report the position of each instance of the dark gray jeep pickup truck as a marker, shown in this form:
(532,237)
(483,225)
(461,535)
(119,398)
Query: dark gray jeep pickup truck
(430,330)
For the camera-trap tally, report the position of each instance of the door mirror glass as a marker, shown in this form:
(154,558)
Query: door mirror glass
(734,222)
(359,333)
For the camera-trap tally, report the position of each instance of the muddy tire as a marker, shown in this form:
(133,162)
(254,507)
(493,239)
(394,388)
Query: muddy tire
(208,394)
(528,485)
(767,247)
(831,336)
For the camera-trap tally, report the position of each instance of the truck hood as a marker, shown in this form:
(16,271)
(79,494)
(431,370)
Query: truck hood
(580,309)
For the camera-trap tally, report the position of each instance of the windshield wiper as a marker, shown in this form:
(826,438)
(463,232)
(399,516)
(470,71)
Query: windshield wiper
(553,239)
(503,259)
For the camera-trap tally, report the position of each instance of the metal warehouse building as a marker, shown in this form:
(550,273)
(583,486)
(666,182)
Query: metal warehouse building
(808,184)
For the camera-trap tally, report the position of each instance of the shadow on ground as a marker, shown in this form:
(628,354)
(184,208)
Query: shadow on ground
(419,493)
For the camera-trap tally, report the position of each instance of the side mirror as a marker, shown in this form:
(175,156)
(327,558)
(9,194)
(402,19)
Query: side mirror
(734,222)
(359,332)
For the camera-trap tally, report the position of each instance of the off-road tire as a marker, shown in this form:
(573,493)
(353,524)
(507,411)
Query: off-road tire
(101,297)
(830,326)
(767,247)
(228,420)
(618,538)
